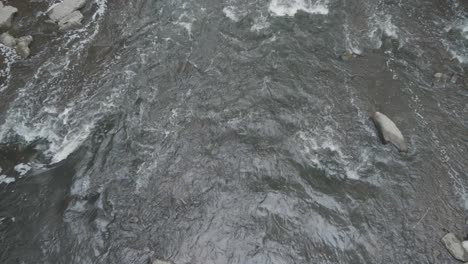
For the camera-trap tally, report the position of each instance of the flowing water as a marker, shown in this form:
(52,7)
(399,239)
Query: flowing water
(233,131)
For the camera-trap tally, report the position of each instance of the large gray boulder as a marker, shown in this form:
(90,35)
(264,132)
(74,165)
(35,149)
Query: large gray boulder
(22,46)
(389,131)
(455,247)
(6,14)
(7,40)
(70,21)
(65,8)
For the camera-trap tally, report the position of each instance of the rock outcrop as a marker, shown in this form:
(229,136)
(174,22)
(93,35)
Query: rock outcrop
(66,14)
(455,247)
(389,131)
(21,44)
(6,14)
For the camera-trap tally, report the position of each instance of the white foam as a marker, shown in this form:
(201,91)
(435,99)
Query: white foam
(388,27)
(290,7)
(382,26)
(144,173)
(316,153)
(457,50)
(6,180)
(22,169)
(70,143)
(260,23)
(10,57)
(64,134)
(232,13)
(351,44)
(460,57)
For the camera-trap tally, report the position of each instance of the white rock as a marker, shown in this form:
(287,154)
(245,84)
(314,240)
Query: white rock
(7,40)
(22,46)
(25,39)
(70,21)
(6,14)
(438,75)
(389,131)
(454,246)
(465,245)
(65,8)
(5,179)
(22,169)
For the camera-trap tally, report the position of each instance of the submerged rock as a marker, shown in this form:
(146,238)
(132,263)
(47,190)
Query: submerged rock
(438,75)
(22,169)
(22,46)
(7,40)
(347,55)
(455,247)
(389,131)
(6,180)
(465,245)
(71,21)
(6,14)
(65,8)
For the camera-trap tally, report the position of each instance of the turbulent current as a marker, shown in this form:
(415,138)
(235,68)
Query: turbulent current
(234,131)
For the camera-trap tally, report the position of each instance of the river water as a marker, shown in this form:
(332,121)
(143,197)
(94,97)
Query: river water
(235,131)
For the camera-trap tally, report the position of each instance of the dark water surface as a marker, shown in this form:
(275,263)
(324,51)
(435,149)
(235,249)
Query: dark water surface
(234,132)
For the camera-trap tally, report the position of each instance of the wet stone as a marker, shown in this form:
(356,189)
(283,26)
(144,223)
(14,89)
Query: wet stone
(159,261)
(438,75)
(7,40)
(455,247)
(22,46)
(71,21)
(389,131)
(6,14)
(134,220)
(347,55)
(65,8)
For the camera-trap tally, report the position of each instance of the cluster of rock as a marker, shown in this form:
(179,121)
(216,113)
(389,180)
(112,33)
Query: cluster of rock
(67,14)
(21,44)
(457,249)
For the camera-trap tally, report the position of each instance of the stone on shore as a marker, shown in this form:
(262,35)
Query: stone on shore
(455,247)
(65,8)
(7,40)
(22,46)
(389,131)
(70,21)
(6,14)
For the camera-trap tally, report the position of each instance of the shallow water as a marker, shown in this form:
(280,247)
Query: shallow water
(234,132)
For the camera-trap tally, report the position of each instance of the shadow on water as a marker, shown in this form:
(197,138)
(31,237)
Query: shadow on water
(32,211)
(36,207)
